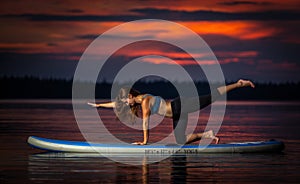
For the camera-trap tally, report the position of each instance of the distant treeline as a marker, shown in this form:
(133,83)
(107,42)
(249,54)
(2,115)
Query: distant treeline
(32,88)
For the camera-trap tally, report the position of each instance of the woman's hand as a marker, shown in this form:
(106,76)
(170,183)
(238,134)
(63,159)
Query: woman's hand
(139,143)
(245,83)
(93,104)
(103,105)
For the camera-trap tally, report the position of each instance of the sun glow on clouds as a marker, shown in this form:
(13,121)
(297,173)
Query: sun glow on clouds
(160,52)
(242,30)
(236,29)
(185,59)
(61,31)
(237,54)
(154,31)
(159,30)
(181,58)
(246,57)
(160,60)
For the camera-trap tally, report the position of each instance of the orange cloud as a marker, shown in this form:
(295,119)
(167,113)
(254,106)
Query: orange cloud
(160,52)
(237,29)
(237,54)
(176,61)
(60,37)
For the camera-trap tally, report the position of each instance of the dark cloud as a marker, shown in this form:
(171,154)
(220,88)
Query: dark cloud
(52,44)
(274,49)
(38,64)
(236,3)
(75,11)
(175,15)
(270,48)
(216,15)
(62,17)
(87,36)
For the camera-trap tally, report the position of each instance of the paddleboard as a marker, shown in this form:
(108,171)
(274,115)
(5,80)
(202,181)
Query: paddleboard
(54,145)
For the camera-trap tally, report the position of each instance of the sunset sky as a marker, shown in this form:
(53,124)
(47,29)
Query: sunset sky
(258,40)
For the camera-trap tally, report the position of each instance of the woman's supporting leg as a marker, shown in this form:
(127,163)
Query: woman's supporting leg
(179,126)
(181,108)
(179,132)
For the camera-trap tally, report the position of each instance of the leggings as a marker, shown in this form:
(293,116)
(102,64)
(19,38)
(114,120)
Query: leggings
(181,107)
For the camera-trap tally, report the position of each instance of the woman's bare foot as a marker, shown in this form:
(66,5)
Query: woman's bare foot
(210,134)
(245,83)
(217,140)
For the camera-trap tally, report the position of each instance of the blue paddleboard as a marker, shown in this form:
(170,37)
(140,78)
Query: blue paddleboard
(86,147)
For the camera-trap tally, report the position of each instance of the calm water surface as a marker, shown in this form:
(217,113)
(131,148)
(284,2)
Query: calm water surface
(244,121)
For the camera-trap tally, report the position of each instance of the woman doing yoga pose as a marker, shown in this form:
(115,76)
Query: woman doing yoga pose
(177,109)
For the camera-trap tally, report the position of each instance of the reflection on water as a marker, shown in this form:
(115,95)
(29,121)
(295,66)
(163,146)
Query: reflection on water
(244,121)
(175,169)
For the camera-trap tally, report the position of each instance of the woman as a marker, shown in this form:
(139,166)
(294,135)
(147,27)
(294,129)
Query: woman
(172,109)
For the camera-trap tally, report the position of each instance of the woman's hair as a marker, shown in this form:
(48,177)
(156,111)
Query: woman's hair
(126,112)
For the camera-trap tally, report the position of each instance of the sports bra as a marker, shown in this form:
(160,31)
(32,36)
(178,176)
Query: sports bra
(157,101)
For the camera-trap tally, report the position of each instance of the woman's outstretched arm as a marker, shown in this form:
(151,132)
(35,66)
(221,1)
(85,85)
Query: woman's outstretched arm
(240,83)
(104,105)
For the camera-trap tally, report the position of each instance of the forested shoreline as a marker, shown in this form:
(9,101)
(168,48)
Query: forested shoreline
(35,88)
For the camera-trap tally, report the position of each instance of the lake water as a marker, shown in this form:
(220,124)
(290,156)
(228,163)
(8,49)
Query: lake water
(244,121)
